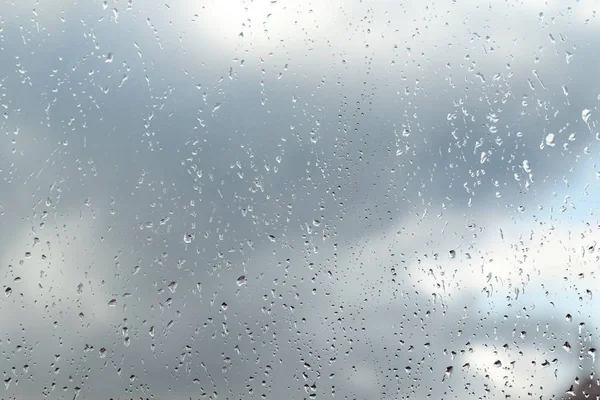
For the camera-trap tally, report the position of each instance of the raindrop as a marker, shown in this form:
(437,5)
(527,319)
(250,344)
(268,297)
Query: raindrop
(550,139)
(567,347)
(498,364)
(112,303)
(523,334)
(172,286)
(592,353)
(448,373)
(8,292)
(585,115)
(241,280)
(568,318)
(109,58)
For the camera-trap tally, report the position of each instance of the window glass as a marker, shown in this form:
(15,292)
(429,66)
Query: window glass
(271,199)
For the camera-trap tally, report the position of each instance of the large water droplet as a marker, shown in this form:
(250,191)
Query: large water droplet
(585,115)
(241,280)
(592,353)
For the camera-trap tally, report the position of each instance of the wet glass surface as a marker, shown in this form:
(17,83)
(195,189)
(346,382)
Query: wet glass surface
(295,200)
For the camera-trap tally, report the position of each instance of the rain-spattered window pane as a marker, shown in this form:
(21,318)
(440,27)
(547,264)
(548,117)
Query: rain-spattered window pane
(277,199)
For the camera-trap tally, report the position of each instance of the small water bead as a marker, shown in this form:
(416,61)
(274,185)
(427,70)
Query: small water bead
(241,280)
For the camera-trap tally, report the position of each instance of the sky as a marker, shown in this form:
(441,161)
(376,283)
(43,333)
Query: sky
(268,199)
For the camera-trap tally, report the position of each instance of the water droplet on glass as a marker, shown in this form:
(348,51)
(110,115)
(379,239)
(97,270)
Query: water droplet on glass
(585,115)
(241,280)
(112,303)
(109,58)
(592,353)
(448,373)
(498,364)
(550,139)
(567,347)
(568,318)
(172,286)
(8,292)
